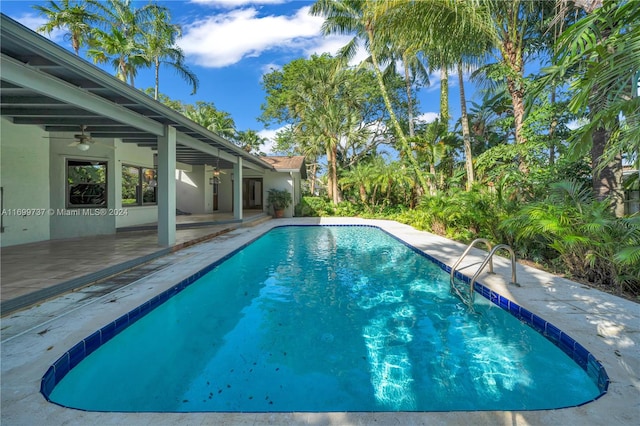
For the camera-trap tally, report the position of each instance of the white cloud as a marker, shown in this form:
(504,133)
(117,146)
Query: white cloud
(224,39)
(270,135)
(427,117)
(267,68)
(332,44)
(230,4)
(33,21)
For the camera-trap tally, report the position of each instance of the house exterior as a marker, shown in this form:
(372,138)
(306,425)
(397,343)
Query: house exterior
(289,173)
(84,154)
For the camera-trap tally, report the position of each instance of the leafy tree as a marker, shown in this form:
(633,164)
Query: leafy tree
(361,17)
(329,108)
(599,55)
(208,116)
(287,142)
(73,16)
(119,37)
(250,140)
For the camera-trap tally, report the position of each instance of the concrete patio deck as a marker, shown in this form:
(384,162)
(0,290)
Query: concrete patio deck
(608,326)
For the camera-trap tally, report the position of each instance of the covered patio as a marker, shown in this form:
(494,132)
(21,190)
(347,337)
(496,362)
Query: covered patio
(32,273)
(49,98)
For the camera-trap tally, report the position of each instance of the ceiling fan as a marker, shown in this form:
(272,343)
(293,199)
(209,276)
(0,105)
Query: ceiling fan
(216,169)
(82,140)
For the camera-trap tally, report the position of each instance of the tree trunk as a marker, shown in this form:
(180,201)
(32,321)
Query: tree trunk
(444,96)
(552,129)
(407,82)
(337,196)
(157,75)
(312,185)
(432,180)
(517,99)
(392,114)
(512,57)
(466,134)
(330,162)
(607,178)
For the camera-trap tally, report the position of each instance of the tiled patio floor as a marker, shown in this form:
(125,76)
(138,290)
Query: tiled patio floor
(36,271)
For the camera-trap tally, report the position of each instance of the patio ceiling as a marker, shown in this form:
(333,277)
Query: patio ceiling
(44,84)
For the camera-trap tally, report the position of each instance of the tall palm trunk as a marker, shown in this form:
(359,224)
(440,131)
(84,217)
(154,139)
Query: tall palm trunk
(314,172)
(333,173)
(607,178)
(552,129)
(330,164)
(407,82)
(466,134)
(392,115)
(444,96)
(157,77)
(512,56)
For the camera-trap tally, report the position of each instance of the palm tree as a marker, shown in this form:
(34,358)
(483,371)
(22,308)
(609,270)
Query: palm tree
(446,41)
(209,117)
(600,50)
(466,133)
(160,47)
(73,16)
(469,28)
(361,17)
(120,40)
(431,149)
(123,52)
(359,176)
(250,140)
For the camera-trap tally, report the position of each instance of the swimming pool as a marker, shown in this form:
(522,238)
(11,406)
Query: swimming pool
(387,336)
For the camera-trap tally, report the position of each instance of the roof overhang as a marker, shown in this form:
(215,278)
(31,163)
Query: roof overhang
(44,84)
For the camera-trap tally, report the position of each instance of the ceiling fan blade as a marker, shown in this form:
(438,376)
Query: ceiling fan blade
(74,143)
(57,137)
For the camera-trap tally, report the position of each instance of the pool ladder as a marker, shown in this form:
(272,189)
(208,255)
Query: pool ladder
(468,300)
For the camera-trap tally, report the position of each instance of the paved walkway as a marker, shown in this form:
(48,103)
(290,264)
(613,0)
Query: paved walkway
(608,326)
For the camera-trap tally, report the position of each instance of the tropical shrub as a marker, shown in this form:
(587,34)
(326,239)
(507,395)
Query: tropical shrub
(314,207)
(583,234)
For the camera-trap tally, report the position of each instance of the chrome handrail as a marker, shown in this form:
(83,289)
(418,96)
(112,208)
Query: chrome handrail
(487,260)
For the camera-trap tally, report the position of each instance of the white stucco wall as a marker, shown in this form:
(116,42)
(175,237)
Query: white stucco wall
(24,177)
(225,192)
(190,189)
(280,180)
(84,224)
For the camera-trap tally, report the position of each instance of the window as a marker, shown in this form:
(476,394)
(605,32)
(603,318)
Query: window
(139,186)
(86,183)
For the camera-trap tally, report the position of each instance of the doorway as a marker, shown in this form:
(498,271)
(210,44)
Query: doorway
(252,193)
(215,195)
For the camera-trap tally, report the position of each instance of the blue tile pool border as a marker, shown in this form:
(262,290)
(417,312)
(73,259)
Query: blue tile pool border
(578,353)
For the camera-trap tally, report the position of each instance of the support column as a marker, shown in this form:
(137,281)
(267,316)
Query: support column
(167,187)
(237,189)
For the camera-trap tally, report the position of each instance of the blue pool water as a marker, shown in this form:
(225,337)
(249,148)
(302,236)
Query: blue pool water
(324,319)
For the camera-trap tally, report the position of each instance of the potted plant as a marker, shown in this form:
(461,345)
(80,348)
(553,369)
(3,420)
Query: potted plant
(280,199)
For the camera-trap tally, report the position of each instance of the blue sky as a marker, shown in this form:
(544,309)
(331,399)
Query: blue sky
(231,44)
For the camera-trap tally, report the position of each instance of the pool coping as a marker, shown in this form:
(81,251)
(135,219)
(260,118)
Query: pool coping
(606,325)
